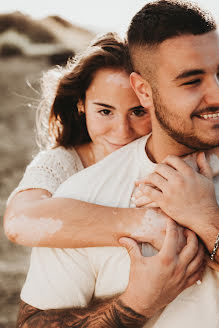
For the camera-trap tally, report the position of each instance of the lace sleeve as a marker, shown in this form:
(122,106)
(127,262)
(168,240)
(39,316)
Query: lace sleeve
(49,169)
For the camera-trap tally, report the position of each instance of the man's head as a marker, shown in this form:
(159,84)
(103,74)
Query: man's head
(174,48)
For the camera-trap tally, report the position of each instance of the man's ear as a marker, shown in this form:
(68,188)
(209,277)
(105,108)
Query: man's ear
(142,89)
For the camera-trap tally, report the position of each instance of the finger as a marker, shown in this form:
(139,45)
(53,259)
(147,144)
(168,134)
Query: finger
(142,201)
(147,196)
(197,262)
(166,171)
(204,167)
(132,247)
(137,192)
(169,248)
(191,248)
(157,181)
(178,164)
(197,276)
(212,156)
(140,182)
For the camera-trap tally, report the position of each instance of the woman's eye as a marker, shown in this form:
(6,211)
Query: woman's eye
(105,112)
(196,81)
(139,112)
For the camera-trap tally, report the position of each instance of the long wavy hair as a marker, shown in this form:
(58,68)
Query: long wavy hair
(58,121)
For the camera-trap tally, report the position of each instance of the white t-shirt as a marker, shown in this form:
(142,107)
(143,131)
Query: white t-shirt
(63,278)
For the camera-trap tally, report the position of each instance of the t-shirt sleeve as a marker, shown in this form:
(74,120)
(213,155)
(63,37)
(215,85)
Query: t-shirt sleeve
(49,169)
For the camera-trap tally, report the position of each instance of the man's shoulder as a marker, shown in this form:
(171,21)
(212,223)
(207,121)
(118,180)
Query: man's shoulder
(106,171)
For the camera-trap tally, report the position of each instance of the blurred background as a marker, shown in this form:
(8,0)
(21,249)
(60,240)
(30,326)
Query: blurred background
(35,36)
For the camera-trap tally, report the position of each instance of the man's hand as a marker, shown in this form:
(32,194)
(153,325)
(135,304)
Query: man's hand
(148,290)
(183,194)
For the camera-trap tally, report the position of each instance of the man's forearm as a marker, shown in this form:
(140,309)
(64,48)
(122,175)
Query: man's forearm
(111,313)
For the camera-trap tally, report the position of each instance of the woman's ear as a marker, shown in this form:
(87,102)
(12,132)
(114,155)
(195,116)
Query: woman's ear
(142,89)
(80,106)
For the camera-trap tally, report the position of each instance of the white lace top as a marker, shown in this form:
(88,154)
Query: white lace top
(49,169)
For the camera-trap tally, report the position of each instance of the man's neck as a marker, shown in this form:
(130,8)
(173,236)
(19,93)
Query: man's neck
(160,145)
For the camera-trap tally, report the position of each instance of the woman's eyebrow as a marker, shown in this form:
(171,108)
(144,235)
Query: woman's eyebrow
(137,107)
(104,105)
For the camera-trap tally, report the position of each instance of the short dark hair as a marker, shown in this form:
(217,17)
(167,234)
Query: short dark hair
(63,87)
(163,19)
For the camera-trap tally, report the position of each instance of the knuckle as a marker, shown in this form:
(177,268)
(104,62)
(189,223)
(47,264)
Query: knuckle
(179,181)
(167,261)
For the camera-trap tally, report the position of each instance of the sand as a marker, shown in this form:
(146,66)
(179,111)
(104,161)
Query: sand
(17,147)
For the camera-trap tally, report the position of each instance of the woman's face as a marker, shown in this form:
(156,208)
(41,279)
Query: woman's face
(113,112)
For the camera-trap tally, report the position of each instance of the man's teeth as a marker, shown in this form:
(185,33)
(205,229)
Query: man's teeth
(206,116)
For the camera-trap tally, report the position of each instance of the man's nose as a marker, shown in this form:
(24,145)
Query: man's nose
(212,92)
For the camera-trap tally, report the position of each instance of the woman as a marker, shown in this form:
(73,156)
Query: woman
(93,111)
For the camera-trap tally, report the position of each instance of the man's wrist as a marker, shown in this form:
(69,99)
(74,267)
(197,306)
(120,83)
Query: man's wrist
(209,230)
(129,314)
(214,251)
(131,302)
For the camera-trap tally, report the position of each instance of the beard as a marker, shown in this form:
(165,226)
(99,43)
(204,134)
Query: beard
(176,127)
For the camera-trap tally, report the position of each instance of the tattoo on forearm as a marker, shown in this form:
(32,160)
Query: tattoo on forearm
(111,313)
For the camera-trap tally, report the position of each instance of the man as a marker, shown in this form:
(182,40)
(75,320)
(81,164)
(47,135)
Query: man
(174,49)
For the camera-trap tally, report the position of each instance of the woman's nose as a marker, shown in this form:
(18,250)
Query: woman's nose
(123,128)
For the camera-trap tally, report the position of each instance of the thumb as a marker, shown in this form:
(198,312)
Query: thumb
(204,167)
(131,246)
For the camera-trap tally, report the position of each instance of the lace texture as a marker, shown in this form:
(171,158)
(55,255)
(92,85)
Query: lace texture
(49,169)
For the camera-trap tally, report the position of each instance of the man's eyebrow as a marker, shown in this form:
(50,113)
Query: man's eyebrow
(189,73)
(104,105)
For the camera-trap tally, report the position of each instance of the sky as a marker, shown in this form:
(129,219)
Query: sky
(98,15)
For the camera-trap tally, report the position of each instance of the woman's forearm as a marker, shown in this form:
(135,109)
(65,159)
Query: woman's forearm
(67,223)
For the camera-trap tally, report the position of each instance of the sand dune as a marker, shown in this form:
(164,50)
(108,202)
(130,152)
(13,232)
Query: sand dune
(52,36)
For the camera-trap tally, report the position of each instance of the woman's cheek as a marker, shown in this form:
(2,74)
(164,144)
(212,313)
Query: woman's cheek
(98,126)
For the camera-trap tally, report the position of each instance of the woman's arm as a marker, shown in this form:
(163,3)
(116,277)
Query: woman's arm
(33,218)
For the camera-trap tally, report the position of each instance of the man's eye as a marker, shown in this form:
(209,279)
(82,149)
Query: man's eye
(139,112)
(105,112)
(192,82)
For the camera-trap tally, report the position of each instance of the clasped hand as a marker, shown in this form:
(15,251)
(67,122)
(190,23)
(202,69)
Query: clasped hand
(182,193)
